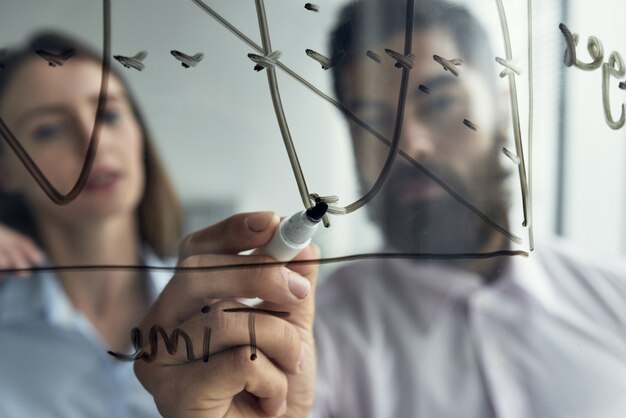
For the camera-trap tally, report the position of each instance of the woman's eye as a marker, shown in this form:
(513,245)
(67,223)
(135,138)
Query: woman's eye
(48,132)
(111,116)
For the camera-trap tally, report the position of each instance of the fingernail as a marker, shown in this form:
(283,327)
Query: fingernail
(283,409)
(298,285)
(258,222)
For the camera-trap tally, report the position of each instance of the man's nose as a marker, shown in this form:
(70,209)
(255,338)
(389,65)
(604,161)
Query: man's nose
(417,139)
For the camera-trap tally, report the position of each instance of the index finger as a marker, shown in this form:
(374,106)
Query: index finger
(237,233)
(312,252)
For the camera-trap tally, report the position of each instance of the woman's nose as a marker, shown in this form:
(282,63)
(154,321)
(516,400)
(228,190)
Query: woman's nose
(84,130)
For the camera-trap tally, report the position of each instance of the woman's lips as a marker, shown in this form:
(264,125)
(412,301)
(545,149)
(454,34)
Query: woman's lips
(101,181)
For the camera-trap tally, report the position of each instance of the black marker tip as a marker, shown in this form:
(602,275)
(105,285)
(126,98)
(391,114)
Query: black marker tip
(317,212)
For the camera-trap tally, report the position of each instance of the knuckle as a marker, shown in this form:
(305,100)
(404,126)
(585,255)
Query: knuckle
(231,227)
(241,361)
(250,281)
(288,335)
(290,341)
(257,274)
(186,244)
(269,276)
(282,388)
(218,318)
(191,261)
(278,277)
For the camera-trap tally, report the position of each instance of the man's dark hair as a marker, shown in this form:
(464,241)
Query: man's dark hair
(365,23)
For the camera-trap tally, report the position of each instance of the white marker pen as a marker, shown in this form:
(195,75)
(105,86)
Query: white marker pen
(295,233)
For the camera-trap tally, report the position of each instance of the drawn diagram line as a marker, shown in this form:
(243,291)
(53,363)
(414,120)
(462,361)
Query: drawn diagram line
(278,107)
(43,182)
(61,199)
(291,152)
(347,112)
(395,143)
(515,110)
(531,110)
(320,261)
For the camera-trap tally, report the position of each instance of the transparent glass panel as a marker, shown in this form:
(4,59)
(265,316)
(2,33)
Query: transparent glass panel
(462,162)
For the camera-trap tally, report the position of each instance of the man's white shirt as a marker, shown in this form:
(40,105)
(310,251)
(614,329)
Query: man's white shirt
(400,338)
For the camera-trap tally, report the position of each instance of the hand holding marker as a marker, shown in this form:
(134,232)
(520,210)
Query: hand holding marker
(294,233)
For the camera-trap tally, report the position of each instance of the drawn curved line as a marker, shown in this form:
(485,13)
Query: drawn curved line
(59,198)
(32,167)
(348,113)
(395,142)
(284,128)
(515,110)
(278,107)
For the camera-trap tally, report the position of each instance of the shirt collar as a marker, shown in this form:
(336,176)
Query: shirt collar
(528,279)
(438,286)
(42,297)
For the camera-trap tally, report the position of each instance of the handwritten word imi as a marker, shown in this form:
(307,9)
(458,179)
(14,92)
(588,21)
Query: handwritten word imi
(171,340)
(613,67)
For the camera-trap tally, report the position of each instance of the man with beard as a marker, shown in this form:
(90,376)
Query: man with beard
(511,337)
(543,336)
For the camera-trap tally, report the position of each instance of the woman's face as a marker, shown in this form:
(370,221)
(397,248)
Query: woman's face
(51,111)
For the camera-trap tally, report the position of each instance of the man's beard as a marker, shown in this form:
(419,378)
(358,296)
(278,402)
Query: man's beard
(440,224)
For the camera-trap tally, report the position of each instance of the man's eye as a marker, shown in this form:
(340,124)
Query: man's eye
(48,132)
(439,105)
(111,117)
(378,122)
